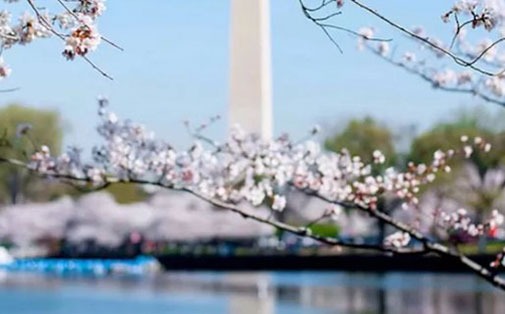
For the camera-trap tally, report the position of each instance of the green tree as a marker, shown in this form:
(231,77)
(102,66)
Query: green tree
(362,138)
(447,135)
(23,129)
(125,193)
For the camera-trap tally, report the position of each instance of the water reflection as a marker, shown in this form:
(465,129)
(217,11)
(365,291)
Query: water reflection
(254,293)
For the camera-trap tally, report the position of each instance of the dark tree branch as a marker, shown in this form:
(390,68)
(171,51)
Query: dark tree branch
(428,246)
(300,231)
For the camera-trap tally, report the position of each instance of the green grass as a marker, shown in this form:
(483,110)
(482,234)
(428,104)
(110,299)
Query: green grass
(473,248)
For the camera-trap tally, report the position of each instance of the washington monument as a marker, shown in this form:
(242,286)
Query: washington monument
(251,73)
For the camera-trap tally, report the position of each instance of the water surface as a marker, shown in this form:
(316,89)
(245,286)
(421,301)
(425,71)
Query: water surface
(245,293)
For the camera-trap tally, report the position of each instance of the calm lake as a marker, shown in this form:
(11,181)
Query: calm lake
(245,293)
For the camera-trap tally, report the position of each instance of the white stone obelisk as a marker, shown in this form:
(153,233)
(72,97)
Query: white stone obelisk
(251,73)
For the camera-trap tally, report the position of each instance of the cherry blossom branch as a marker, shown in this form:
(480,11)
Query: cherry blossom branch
(478,269)
(75,26)
(299,231)
(479,66)
(49,27)
(62,3)
(428,245)
(304,231)
(246,169)
(488,18)
(437,79)
(457,59)
(42,19)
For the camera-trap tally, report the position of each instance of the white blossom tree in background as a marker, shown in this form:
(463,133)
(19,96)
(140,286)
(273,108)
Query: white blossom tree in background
(245,170)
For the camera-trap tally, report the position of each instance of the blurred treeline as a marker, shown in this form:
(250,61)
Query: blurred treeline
(362,136)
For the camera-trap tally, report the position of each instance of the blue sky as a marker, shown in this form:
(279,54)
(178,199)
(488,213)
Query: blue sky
(175,67)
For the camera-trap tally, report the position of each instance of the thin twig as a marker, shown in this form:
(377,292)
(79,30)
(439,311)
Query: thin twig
(308,12)
(9,90)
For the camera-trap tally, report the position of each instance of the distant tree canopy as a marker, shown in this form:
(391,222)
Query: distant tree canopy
(447,135)
(44,127)
(125,193)
(362,138)
(22,130)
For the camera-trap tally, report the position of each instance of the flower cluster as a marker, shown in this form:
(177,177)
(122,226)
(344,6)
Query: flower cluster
(459,221)
(397,240)
(487,14)
(83,38)
(75,25)
(246,168)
